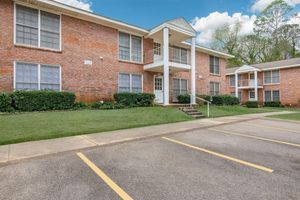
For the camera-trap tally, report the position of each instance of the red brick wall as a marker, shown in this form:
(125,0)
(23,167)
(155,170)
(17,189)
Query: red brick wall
(203,76)
(289,87)
(82,40)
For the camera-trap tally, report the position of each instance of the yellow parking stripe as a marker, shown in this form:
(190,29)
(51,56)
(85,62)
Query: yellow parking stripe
(105,178)
(255,137)
(221,155)
(275,128)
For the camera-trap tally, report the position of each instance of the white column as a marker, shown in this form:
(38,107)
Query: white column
(256,85)
(193,71)
(166,65)
(236,84)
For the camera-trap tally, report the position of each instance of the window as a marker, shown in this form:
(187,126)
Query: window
(272,77)
(251,95)
(272,95)
(37,28)
(232,81)
(132,83)
(180,87)
(214,88)
(214,65)
(130,47)
(37,77)
(179,55)
(157,48)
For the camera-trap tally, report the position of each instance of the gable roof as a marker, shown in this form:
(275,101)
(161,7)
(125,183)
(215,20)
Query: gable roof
(182,23)
(294,62)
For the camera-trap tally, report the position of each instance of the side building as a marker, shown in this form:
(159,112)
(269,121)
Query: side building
(265,82)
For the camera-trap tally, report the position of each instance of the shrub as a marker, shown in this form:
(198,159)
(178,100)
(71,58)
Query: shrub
(106,105)
(134,99)
(221,99)
(184,98)
(42,100)
(6,103)
(273,104)
(252,104)
(80,105)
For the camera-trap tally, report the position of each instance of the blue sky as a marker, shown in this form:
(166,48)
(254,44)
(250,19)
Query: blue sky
(204,15)
(149,13)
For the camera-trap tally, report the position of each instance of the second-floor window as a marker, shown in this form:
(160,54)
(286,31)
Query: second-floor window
(37,28)
(214,65)
(272,77)
(214,88)
(130,47)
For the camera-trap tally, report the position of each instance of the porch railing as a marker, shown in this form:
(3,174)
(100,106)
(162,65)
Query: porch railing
(249,83)
(176,55)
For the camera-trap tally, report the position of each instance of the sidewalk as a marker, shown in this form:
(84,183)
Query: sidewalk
(19,151)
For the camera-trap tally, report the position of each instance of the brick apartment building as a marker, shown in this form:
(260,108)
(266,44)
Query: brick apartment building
(48,45)
(265,82)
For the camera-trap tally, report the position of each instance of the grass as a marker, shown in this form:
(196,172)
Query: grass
(293,116)
(221,111)
(23,127)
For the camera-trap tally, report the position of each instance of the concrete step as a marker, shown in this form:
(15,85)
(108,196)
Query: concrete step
(198,116)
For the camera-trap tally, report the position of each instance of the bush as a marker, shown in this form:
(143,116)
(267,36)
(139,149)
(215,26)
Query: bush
(106,105)
(273,104)
(6,103)
(221,99)
(42,100)
(184,98)
(134,100)
(252,104)
(80,105)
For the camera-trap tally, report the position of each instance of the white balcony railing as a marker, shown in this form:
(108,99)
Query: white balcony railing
(176,55)
(249,83)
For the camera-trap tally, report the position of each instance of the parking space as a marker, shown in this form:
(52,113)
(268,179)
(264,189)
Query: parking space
(209,163)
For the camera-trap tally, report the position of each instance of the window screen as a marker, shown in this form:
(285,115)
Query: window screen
(214,65)
(276,95)
(275,76)
(50,30)
(232,80)
(50,78)
(136,49)
(268,96)
(214,88)
(27,22)
(124,83)
(268,77)
(26,76)
(28,26)
(124,46)
(136,83)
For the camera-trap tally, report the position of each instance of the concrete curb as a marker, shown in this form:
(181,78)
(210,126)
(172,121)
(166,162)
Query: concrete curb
(94,144)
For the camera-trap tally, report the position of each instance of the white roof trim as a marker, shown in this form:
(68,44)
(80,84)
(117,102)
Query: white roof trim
(90,14)
(280,67)
(246,68)
(210,51)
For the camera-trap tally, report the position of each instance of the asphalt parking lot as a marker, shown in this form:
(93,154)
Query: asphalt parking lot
(258,159)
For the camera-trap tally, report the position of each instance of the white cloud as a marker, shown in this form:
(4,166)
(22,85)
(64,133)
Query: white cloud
(260,5)
(207,25)
(82,4)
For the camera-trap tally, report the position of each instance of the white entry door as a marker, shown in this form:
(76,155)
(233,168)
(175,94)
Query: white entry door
(158,89)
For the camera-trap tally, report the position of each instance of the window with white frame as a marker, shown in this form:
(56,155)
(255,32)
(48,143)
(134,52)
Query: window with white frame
(157,48)
(30,76)
(214,65)
(214,88)
(272,95)
(37,28)
(130,47)
(232,80)
(272,77)
(132,83)
(251,95)
(179,55)
(180,87)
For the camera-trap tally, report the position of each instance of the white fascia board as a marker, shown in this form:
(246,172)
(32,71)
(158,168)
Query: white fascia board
(210,51)
(281,67)
(90,14)
(171,27)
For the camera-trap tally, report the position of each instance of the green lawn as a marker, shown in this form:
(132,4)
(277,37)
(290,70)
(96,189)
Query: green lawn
(221,111)
(294,116)
(23,127)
